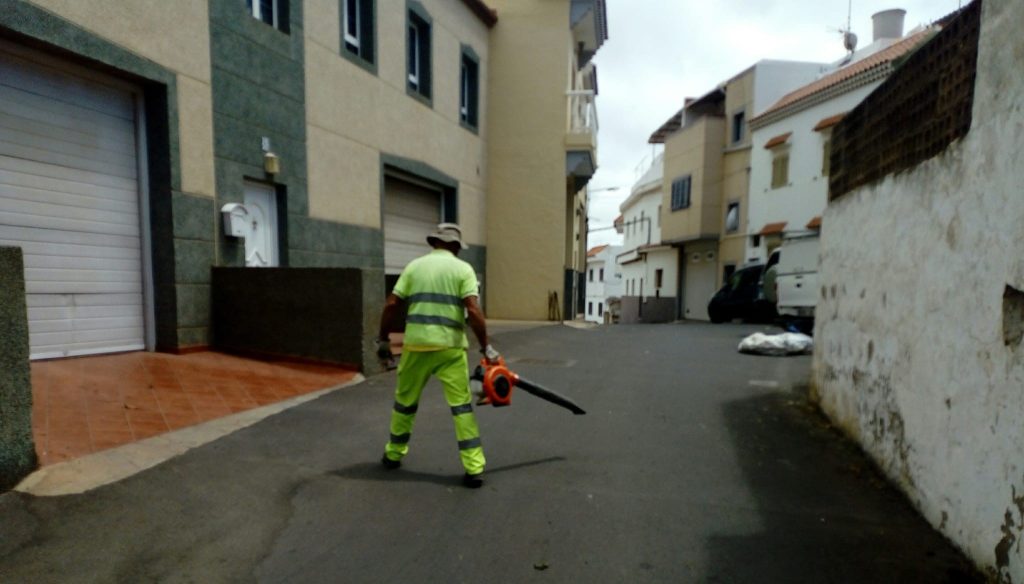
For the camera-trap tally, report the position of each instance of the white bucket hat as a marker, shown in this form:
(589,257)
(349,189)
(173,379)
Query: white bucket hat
(449,233)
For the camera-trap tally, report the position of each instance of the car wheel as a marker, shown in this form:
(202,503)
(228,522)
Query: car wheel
(717,316)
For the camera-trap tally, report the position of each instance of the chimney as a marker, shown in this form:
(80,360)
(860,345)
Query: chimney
(888,24)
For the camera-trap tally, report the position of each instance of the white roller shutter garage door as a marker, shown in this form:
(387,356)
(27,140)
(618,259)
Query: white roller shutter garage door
(69,197)
(411,212)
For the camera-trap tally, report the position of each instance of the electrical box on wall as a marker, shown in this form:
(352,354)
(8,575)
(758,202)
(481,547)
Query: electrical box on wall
(236,219)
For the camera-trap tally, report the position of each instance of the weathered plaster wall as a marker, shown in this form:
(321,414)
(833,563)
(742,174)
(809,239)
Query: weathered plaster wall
(918,353)
(17,452)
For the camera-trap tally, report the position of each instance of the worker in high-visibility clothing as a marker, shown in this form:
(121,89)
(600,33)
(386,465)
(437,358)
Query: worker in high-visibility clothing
(439,292)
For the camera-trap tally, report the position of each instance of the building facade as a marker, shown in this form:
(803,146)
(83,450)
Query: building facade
(542,150)
(707,177)
(604,284)
(791,152)
(649,289)
(136,156)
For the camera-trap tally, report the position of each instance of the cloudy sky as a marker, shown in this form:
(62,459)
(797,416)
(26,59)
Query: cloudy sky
(662,51)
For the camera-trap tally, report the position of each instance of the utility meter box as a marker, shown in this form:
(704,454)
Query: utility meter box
(236,219)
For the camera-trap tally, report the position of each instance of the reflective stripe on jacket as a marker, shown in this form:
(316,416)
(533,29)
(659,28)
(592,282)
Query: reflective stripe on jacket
(434,287)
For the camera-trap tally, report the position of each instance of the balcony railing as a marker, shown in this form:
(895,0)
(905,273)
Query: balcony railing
(582,112)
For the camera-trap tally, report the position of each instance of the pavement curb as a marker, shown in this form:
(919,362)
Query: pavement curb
(109,466)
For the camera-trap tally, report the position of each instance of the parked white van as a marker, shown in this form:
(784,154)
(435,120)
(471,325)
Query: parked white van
(792,280)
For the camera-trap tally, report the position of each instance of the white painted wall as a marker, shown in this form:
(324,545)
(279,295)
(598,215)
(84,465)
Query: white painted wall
(910,357)
(774,79)
(600,290)
(806,194)
(640,276)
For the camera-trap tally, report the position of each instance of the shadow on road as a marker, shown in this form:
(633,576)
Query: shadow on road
(828,515)
(373,471)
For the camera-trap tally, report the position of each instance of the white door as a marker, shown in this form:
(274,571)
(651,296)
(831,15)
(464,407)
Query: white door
(261,242)
(69,197)
(411,213)
(700,285)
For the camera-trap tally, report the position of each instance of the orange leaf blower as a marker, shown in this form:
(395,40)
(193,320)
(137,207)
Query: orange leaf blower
(495,382)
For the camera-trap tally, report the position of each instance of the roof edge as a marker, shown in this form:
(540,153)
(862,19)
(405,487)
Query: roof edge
(485,13)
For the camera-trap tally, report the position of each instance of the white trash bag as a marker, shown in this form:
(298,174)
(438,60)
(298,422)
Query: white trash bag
(777,345)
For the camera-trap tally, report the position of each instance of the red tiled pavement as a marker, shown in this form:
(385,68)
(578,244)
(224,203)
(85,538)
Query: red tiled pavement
(89,404)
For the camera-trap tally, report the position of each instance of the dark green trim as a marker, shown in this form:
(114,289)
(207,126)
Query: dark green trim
(369,65)
(425,93)
(466,52)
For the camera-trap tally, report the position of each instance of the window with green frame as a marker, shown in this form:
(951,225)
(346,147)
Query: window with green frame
(358,30)
(418,51)
(469,88)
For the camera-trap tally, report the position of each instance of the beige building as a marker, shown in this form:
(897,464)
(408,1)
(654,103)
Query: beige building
(707,177)
(542,150)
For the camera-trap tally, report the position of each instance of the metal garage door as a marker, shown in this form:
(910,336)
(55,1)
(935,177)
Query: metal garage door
(69,197)
(411,212)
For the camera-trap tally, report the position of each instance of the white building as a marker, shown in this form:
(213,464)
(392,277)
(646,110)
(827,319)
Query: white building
(604,282)
(649,268)
(791,139)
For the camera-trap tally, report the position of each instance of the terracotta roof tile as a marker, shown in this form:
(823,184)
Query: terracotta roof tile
(777,140)
(879,59)
(595,250)
(814,223)
(772,228)
(829,122)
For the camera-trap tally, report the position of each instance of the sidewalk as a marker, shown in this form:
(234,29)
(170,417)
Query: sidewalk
(89,404)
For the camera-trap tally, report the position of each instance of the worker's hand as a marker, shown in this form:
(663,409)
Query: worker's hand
(491,354)
(384,350)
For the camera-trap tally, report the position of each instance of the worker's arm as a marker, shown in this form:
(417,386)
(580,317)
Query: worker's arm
(392,308)
(479,326)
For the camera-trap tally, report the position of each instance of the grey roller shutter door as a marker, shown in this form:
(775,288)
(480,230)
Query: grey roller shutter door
(411,212)
(69,197)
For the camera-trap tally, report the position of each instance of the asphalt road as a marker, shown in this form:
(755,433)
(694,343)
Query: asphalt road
(693,464)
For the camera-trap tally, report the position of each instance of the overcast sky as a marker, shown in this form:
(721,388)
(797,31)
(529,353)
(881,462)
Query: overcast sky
(662,51)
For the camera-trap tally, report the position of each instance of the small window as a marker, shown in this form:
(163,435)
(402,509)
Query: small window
(826,156)
(590,308)
(272,12)
(659,216)
(600,277)
(591,275)
(732,218)
(359,29)
(418,57)
(600,308)
(657,277)
(681,193)
(738,121)
(780,170)
(755,241)
(469,89)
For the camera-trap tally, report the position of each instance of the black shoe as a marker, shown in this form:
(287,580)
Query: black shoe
(390,464)
(474,481)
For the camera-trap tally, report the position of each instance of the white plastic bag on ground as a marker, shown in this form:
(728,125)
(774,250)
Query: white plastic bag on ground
(777,345)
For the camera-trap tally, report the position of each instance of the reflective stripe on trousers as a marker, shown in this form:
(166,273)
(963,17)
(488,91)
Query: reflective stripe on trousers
(451,368)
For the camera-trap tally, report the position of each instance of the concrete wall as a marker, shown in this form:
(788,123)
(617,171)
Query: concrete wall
(919,354)
(17,451)
(694,151)
(531,69)
(313,313)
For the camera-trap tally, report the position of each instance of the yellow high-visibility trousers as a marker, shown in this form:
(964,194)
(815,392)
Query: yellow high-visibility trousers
(451,368)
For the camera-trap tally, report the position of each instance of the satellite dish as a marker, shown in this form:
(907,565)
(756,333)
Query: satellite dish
(849,41)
